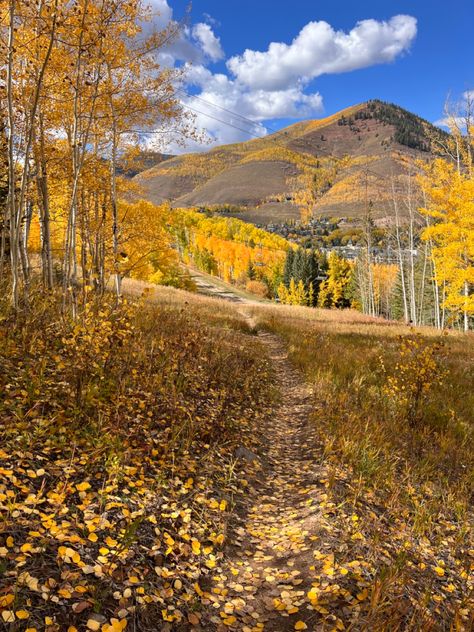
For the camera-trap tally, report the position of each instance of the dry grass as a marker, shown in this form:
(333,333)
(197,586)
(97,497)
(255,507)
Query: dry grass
(403,464)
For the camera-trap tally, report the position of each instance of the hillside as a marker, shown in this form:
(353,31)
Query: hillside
(338,157)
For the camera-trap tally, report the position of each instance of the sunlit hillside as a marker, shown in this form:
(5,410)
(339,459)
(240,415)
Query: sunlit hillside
(347,158)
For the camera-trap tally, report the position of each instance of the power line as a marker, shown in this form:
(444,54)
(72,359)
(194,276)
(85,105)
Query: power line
(214,118)
(240,129)
(221,107)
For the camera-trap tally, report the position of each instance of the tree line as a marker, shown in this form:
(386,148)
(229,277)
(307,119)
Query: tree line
(80,84)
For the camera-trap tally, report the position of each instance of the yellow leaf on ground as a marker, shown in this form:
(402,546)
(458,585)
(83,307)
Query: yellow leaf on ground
(301,625)
(8,616)
(22,614)
(230,621)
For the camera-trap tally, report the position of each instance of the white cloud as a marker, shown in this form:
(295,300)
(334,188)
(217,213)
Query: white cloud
(162,13)
(210,44)
(319,49)
(226,109)
(273,84)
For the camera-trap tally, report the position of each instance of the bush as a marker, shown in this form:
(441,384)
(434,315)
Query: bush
(258,288)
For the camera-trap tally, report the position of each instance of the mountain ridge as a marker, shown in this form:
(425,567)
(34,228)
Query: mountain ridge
(325,165)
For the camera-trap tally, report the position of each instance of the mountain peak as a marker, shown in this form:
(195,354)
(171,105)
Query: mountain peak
(263,180)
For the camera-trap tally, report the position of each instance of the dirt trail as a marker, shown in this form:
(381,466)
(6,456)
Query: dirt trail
(268,570)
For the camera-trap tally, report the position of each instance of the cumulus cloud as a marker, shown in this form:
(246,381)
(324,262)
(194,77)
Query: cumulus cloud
(259,105)
(273,84)
(198,44)
(319,49)
(209,42)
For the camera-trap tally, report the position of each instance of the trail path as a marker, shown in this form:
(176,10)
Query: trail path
(212,286)
(268,568)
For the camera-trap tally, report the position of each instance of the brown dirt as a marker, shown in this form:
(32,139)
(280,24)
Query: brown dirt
(244,185)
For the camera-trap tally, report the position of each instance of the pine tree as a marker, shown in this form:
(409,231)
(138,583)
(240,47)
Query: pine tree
(288,268)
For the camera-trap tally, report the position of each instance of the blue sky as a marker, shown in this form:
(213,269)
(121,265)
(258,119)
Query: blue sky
(307,59)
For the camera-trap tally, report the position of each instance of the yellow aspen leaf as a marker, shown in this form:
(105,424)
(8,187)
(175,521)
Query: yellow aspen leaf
(362,596)
(6,600)
(223,505)
(116,625)
(439,570)
(167,616)
(82,487)
(8,616)
(93,625)
(229,620)
(92,537)
(196,546)
(71,628)
(22,614)
(313,594)
(10,542)
(301,625)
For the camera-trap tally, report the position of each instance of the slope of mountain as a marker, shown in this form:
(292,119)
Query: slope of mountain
(337,165)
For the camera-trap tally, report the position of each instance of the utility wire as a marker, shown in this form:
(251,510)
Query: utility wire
(220,107)
(240,129)
(214,118)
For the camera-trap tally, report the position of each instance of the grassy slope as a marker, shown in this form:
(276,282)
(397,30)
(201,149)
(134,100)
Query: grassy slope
(263,171)
(117,467)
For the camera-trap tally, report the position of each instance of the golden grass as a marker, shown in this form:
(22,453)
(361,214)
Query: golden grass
(403,464)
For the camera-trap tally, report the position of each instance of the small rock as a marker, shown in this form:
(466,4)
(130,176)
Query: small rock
(246,454)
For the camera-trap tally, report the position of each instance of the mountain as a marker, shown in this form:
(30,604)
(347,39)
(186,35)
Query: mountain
(348,160)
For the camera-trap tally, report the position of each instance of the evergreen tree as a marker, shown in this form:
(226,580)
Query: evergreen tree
(298,265)
(288,268)
(251,274)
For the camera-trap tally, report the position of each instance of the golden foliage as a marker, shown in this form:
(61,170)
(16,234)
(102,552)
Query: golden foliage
(117,434)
